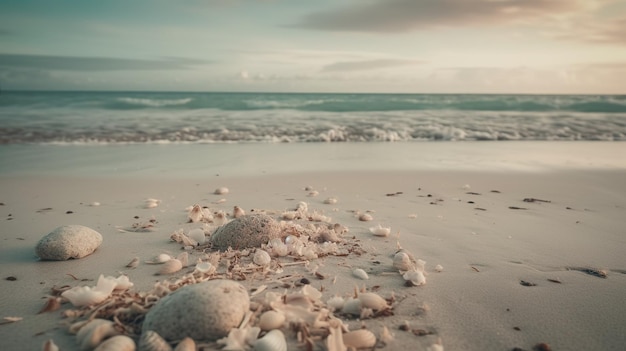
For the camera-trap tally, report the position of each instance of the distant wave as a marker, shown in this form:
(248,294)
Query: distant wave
(143,102)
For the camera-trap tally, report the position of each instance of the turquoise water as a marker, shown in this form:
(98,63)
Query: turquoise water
(180,117)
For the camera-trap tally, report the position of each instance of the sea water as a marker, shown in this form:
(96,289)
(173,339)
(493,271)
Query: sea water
(184,117)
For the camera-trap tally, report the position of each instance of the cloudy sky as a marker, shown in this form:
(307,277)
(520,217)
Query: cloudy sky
(413,46)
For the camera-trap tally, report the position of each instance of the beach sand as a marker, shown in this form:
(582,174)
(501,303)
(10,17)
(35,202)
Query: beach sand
(473,222)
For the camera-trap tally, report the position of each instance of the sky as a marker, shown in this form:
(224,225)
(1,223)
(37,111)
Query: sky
(380,46)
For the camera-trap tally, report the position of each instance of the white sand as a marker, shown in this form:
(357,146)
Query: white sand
(474,304)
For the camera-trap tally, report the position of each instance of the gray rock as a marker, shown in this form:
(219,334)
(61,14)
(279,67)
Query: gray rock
(245,232)
(70,241)
(203,311)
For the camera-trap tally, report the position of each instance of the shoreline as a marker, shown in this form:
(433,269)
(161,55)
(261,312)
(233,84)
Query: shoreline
(485,247)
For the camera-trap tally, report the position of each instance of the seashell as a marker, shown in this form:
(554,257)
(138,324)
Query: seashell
(220,218)
(94,204)
(278,248)
(402,261)
(52,304)
(352,306)
(271,320)
(205,268)
(117,343)
(238,212)
(151,203)
(334,342)
(121,283)
(187,344)
(302,207)
(331,201)
(172,266)
(197,234)
(386,336)
(261,258)
(313,193)
(373,301)
(272,341)
(289,215)
(366,217)
(94,332)
(151,341)
(49,345)
(336,303)
(161,258)
(311,292)
(359,339)
(439,268)
(221,191)
(183,257)
(85,295)
(380,230)
(133,263)
(414,278)
(361,274)
(196,214)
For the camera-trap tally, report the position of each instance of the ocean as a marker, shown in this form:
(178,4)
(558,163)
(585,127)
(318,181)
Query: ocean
(187,117)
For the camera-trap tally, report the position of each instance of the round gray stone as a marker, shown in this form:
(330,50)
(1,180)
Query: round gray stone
(203,311)
(69,241)
(245,232)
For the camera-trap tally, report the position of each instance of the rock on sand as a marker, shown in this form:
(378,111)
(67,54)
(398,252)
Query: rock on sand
(203,311)
(245,232)
(70,241)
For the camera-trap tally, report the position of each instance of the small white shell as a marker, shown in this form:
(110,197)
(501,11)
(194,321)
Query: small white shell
(151,341)
(373,301)
(187,344)
(151,203)
(238,212)
(171,266)
(380,231)
(221,191)
(162,258)
(361,274)
(439,268)
(271,320)
(183,257)
(402,261)
(386,336)
(359,339)
(197,234)
(331,201)
(336,303)
(352,306)
(414,278)
(117,343)
(94,204)
(205,267)
(272,341)
(313,193)
(92,333)
(195,214)
(261,258)
(302,207)
(366,217)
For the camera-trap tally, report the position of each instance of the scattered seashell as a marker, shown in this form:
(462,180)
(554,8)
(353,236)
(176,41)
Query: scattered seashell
(49,345)
(373,301)
(439,268)
(187,344)
(302,207)
(289,215)
(261,258)
(151,203)
(361,274)
(84,295)
(386,336)
(271,320)
(172,266)
(133,263)
(331,201)
(435,347)
(414,278)
(94,204)
(196,214)
(52,304)
(197,235)
(352,306)
(183,257)
(152,341)
(413,216)
(336,303)
(313,193)
(359,339)
(205,268)
(238,212)
(334,342)
(221,191)
(380,231)
(160,259)
(366,217)
(240,338)
(94,332)
(272,341)
(117,343)
(403,261)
